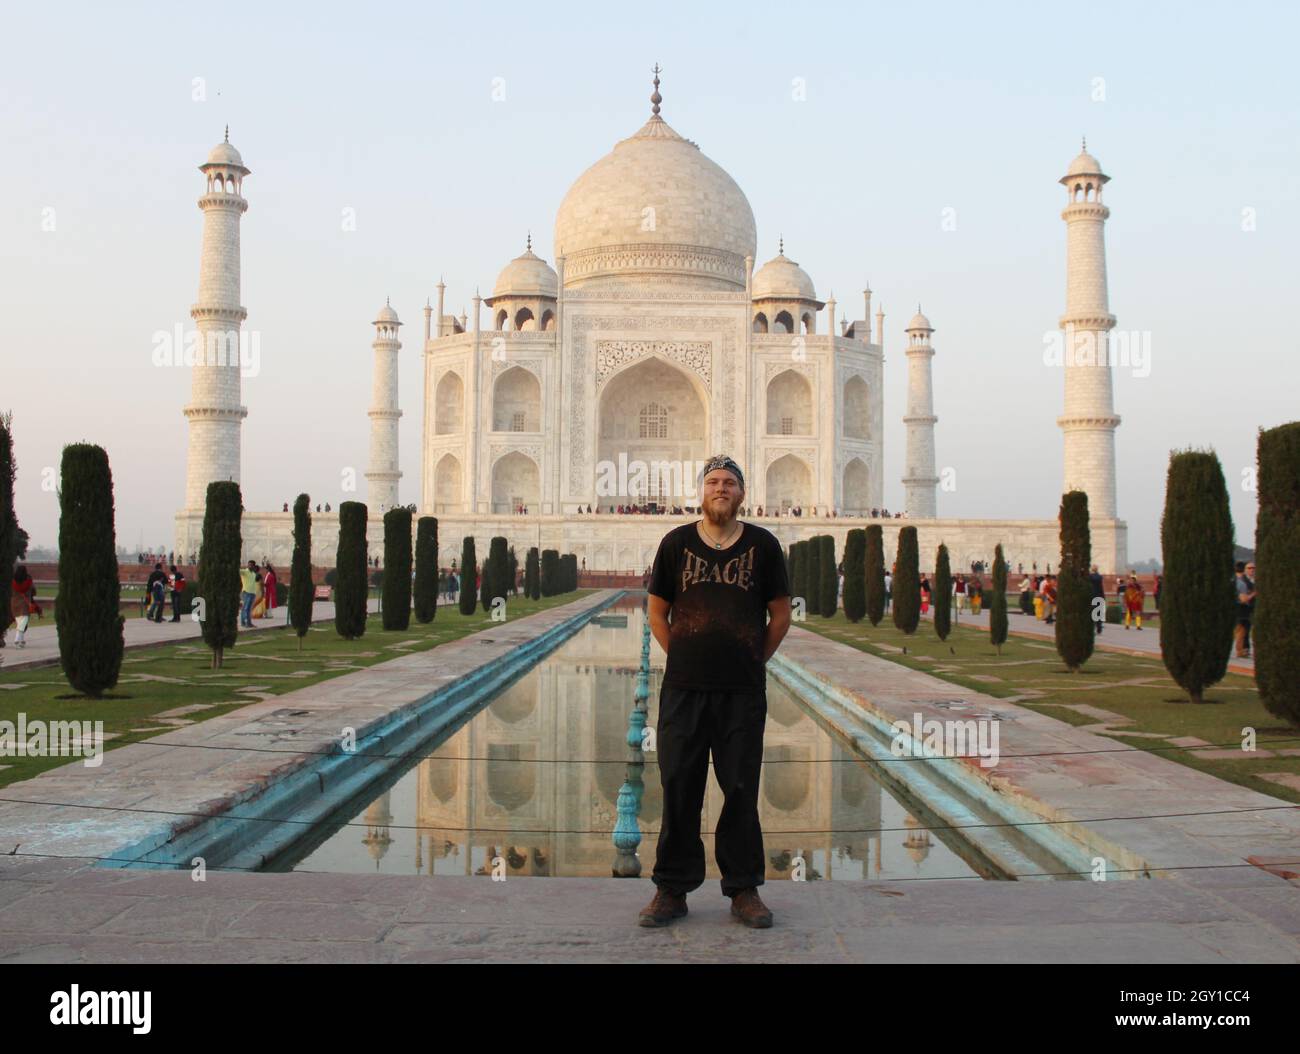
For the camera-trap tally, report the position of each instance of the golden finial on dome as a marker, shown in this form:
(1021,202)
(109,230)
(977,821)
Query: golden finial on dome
(530,241)
(656,98)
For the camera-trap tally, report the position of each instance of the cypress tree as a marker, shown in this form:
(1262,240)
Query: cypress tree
(1277,543)
(512,566)
(570,565)
(426,569)
(875,573)
(830,584)
(813,582)
(1075,633)
(1197,603)
(219,584)
(86,612)
(998,609)
(907,582)
(941,594)
(302,592)
(13,540)
(498,568)
(353,589)
(532,574)
(855,575)
(550,572)
(468,566)
(397,568)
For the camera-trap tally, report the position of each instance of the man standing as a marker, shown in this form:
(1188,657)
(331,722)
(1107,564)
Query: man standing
(720,579)
(1245,588)
(247,593)
(1098,594)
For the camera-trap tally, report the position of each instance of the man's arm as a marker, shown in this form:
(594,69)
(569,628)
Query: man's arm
(778,623)
(658,609)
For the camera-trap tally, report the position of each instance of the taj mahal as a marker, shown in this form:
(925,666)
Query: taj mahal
(653,341)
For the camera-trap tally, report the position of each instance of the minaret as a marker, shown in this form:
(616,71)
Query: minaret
(214,411)
(1089,420)
(383,474)
(920,481)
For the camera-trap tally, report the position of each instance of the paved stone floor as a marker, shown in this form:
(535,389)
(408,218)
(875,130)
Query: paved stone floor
(55,912)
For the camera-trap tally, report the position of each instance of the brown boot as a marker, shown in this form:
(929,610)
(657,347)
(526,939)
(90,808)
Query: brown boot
(662,909)
(750,909)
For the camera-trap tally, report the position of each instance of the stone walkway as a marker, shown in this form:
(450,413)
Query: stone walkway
(1232,893)
(1113,637)
(43,639)
(158,789)
(1072,776)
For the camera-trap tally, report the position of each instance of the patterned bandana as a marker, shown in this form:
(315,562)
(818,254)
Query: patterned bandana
(722,461)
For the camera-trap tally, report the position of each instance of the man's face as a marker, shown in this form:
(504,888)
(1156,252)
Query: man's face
(1250,570)
(722,494)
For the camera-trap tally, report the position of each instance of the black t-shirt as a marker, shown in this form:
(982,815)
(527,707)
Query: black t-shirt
(719,597)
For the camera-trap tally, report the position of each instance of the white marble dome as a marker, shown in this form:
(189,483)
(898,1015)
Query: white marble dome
(919,321)
(387,315)
(783,279)
(1084,165)
(655,208)
(224,154)
(526,275)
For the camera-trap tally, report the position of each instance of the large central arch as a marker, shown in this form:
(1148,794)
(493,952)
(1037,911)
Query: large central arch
(653,413)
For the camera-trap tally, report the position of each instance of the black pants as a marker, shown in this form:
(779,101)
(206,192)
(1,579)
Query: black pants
(691,725)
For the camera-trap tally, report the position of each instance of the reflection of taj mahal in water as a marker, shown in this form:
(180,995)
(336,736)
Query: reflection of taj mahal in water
(654,340)
(534,779)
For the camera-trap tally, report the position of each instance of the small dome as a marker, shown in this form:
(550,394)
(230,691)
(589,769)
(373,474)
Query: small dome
(919,321)
(783,279)
(387,315)
(1085,165)
(526,275)
(225,154)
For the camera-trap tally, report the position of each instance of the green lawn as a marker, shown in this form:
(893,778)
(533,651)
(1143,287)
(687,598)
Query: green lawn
(265,663)
(1029,673)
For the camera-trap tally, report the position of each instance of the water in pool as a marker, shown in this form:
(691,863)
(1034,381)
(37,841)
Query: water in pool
(529,786)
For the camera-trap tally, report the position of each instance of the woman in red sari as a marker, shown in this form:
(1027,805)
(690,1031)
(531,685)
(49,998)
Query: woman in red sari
(269,582)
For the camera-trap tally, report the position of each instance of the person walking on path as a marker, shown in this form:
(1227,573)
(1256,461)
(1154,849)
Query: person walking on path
(178,591)
(21,603)
(157,599)
(1134,599)
(1098,593)
(269,582)
(1049,598)
(1245,588)
(713,586)
(247,593)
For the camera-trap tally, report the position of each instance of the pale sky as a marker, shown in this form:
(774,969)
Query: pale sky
(909,116)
